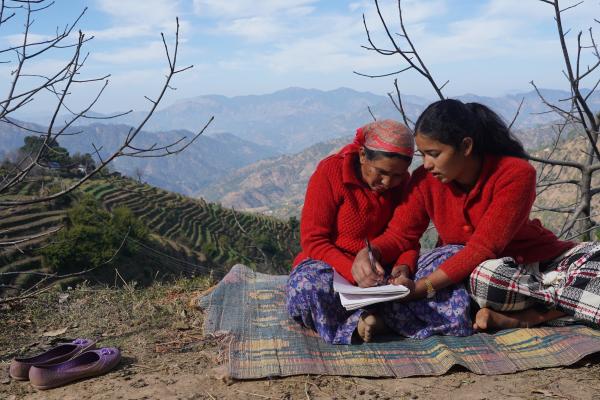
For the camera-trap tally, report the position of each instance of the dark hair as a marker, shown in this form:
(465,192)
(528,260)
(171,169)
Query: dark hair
(374,154)
(450,121)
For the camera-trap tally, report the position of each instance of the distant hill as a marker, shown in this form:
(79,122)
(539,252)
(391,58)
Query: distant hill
(208,159)
(247,129)
(289,120)
(277,185)
(295,118)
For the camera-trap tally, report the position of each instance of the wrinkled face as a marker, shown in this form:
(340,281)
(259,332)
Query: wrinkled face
(443,161)
(382,173)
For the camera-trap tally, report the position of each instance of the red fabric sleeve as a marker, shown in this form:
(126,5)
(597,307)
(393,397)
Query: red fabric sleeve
(409,258)
(513,197)
(400,241)
(318,222)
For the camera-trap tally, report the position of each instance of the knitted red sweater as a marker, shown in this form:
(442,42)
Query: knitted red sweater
(340,211)
(492,220)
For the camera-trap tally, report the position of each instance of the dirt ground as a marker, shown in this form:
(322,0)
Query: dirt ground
(165,356)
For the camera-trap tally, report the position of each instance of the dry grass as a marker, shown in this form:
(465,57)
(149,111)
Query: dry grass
(143,323)
(111,315)
(165,355)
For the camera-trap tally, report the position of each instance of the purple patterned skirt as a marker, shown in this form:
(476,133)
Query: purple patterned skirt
(312,302)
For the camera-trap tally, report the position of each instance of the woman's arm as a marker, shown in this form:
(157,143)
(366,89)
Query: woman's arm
(513,198)
(318,222)
(400,241)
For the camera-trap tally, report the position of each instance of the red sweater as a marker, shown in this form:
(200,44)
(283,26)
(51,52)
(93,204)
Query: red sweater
(491,221)
(340,211)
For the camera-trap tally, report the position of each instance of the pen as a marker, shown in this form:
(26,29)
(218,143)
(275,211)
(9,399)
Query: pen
(371,257)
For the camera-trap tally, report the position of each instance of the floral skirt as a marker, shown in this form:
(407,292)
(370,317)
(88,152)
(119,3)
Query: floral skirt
(312,302)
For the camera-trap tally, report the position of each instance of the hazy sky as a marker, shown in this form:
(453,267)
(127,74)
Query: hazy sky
(239,47)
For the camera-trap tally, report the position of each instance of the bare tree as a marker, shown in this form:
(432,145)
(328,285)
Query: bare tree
(574,111)
(25,88)
(59,84)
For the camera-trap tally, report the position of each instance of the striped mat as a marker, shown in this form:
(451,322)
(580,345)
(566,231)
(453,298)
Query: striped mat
(247,311)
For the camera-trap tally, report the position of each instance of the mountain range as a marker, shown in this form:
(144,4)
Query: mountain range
(293,119)
(285,133)
(207,160)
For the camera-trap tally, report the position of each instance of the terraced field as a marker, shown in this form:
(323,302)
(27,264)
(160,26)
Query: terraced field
(188,236)
(220,236)
(23,231)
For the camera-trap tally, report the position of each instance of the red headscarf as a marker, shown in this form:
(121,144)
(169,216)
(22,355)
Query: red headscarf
(387,135)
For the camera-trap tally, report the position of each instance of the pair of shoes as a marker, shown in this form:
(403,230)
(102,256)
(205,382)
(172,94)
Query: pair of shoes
(89,363)
(65,363)
(19,367)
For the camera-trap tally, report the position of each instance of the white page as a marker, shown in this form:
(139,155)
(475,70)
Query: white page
(355,301)
(341,285)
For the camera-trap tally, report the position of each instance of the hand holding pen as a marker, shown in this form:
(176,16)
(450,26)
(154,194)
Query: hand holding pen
(366,270)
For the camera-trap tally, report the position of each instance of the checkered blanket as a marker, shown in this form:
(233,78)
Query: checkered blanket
(571,284)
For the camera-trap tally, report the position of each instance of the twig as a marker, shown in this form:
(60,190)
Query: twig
(68,77)
(371,112)
(253,394)
(306,391)
(210,395)
(516,113)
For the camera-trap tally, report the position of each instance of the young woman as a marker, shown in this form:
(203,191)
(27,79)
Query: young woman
(478,189)
(351,197)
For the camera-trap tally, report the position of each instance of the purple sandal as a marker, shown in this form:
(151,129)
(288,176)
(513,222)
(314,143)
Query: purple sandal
(87,364)
(19,367)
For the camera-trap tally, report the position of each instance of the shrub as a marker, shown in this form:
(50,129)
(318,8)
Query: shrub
(92,237)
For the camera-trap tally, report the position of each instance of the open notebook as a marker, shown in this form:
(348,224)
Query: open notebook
(353,297)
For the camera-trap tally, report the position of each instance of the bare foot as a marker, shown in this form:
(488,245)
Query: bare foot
(369,325)
(488,319)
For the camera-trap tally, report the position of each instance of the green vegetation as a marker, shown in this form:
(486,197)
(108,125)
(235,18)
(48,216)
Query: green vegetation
(92,237)
(53,157)
(158,235)
(52,153)
(224,236)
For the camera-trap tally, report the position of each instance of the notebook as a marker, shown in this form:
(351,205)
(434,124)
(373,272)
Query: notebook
(354,297)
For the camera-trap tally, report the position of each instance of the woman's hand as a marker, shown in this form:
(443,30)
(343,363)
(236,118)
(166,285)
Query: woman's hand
(401,276)
(362,271)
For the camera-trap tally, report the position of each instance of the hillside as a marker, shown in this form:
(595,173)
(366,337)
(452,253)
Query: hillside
(187,236)
(31,229)
(222,235)
(248,129)
(277,186)
(207,160)
(274,186)
(16,226)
